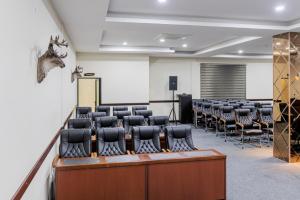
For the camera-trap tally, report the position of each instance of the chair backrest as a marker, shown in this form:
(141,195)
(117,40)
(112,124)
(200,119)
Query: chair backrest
(266,106)
(131,121)
(75,143)
(83,112)
(206,108)
(79,124)
(215,109)
(111,141)
(243,116)
(135,108)
(121,114)
(265,115)
(120,108)
(227,113)
(161,121)
(146,139)
(105,109)
(235,105)
(106,122)
(253,112)
(145,113)
(94,115)
(179,138)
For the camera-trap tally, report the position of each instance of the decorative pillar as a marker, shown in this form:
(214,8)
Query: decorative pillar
(286,96)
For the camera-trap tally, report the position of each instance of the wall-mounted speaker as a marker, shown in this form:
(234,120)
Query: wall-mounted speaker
(172,82)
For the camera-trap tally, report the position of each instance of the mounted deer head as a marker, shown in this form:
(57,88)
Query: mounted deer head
(77,73)
(50,59)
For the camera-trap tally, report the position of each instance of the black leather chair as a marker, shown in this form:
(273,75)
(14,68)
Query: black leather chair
(106,122)
(145,113)
(246,125)
(179,138)
(120,108)
(207,114)
(105,109)
(75,143)
(79,124)
(131,121)
(111,142)
(161,121)
(83,112)
(120,115)
(146,139)
(227,120)
(265,118)
(135,108)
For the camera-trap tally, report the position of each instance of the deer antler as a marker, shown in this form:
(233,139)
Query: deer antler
(57,43)
(79,69)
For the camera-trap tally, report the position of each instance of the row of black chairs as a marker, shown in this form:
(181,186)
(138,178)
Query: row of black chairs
(129,122)
(236,116)
(118,111)
(111,141)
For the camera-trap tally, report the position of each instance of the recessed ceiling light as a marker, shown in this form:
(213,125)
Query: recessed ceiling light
(162,1)
(279,8)
(184,45)
(278,43)
(183,38)
(125,43)
(162,40)
(240,51)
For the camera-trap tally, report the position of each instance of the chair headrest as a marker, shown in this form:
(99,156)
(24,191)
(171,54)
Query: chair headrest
(179,131)
(159,120)
(120,108)
(110,134)
(102,108)
(106,121)
(146,132)
(251,108)
(134,120)
(266,111)
(121,114)
(84,110)
(97,114)
(226,109)
(139,107)
(75,135)
(145,113)
(79,123)
(242,112)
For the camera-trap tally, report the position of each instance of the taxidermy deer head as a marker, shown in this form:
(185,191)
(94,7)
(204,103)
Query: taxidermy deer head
(50,59)
(77,73)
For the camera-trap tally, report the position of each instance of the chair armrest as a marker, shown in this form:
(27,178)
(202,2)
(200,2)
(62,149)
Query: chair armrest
(94,155)
(223,120)
(239,124)
(259,125)
(132,152)
(163,150)
(128,152)
(265,123)
(168,150)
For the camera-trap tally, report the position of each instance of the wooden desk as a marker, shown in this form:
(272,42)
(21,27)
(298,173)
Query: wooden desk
(163,176)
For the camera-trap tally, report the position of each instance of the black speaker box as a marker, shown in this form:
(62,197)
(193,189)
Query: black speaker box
(172,82)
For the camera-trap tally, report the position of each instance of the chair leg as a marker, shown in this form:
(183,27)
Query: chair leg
(216,128)
(206,128)
(225,132)
(242,138)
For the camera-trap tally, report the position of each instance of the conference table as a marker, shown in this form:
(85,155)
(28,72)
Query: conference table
(192,175)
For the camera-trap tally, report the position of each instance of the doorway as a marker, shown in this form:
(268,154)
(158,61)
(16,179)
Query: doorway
(88,92)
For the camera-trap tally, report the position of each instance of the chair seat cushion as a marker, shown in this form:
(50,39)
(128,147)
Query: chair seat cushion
(253,132)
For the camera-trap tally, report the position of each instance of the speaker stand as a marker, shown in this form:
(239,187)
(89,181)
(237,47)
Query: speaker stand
(173,113)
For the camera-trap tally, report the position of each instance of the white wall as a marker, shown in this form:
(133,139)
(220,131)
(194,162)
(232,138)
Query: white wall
(259,81)
(124,78)
(31,112)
